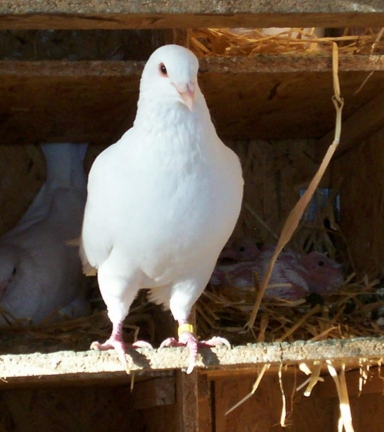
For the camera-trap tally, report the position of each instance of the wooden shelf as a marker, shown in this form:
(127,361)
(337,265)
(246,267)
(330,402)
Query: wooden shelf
(265,97)
(25,369)
(114,14)
(274,64)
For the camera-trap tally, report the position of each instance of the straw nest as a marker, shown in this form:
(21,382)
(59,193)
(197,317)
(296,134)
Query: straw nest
(248,42)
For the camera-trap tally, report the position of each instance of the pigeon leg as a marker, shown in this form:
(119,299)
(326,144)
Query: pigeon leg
(116,342)
(189,340)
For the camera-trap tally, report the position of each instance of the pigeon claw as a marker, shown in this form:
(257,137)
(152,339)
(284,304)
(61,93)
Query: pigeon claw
(115,344)
(141,344)
(215,341)
(120,347)
(171,342)
(188,340)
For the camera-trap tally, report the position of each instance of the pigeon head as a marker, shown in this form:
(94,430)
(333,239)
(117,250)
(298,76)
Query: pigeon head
(240,250)
(324,274)
(170,74)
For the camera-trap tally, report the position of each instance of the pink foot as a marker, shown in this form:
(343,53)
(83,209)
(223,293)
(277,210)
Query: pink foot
(189,340)
(112,343)
(116,342)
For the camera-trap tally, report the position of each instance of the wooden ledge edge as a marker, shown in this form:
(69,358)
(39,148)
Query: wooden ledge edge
(70,365)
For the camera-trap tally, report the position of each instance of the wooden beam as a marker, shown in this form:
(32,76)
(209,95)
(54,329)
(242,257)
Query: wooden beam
(274,64)
(357,128)
(265,97)
(85,365)
(112,14)
(187,396)
(205,403)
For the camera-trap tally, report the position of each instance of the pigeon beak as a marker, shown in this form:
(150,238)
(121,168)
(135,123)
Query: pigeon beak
(187,93)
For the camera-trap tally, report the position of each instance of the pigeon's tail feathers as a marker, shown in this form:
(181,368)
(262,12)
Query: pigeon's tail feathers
(64,164)
(160,296)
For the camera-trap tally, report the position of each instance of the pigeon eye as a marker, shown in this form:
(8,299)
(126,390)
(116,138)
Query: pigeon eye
(163,69)
(241,248)
(321,263)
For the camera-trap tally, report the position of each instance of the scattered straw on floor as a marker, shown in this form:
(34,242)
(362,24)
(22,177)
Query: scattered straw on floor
(76,334)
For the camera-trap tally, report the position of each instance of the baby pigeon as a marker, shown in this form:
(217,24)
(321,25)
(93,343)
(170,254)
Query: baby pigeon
(162,201)
(240,250)
(39,272)
(293,277)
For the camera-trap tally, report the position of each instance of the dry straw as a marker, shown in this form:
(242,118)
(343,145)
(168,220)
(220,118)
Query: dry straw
(249,42)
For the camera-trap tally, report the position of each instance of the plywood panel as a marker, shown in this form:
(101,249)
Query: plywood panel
(274,171)
(88,107)
(66,409)
(367,412)
(362,203)
(194,13)
(262,412)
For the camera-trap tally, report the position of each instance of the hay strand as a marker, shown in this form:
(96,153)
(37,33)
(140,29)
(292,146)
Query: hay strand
(254,388)
(283,415)
(345,420)
(296,214)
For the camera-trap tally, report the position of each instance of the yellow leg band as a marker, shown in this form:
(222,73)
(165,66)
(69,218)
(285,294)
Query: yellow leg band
(185,328)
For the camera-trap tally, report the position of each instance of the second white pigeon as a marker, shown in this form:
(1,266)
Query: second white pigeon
(40,274)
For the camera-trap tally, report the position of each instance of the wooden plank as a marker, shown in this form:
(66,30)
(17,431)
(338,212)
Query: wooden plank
(367,412)
(357,128)
(271,64)
(62,366)
(360,176)
(55,409)
(262,98)
(264,407)
(112,14)
(187,396)
(205,399)
(374,383)
(154,392)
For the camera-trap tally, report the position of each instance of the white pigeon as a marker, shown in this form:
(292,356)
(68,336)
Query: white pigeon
(39,272)
(162,202)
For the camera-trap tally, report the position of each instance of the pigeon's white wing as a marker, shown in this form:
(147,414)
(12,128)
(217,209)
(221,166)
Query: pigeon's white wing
(103,186)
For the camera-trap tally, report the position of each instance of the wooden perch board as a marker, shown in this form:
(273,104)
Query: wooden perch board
(240,65)
(112,14)
(86,365)
(265,97)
